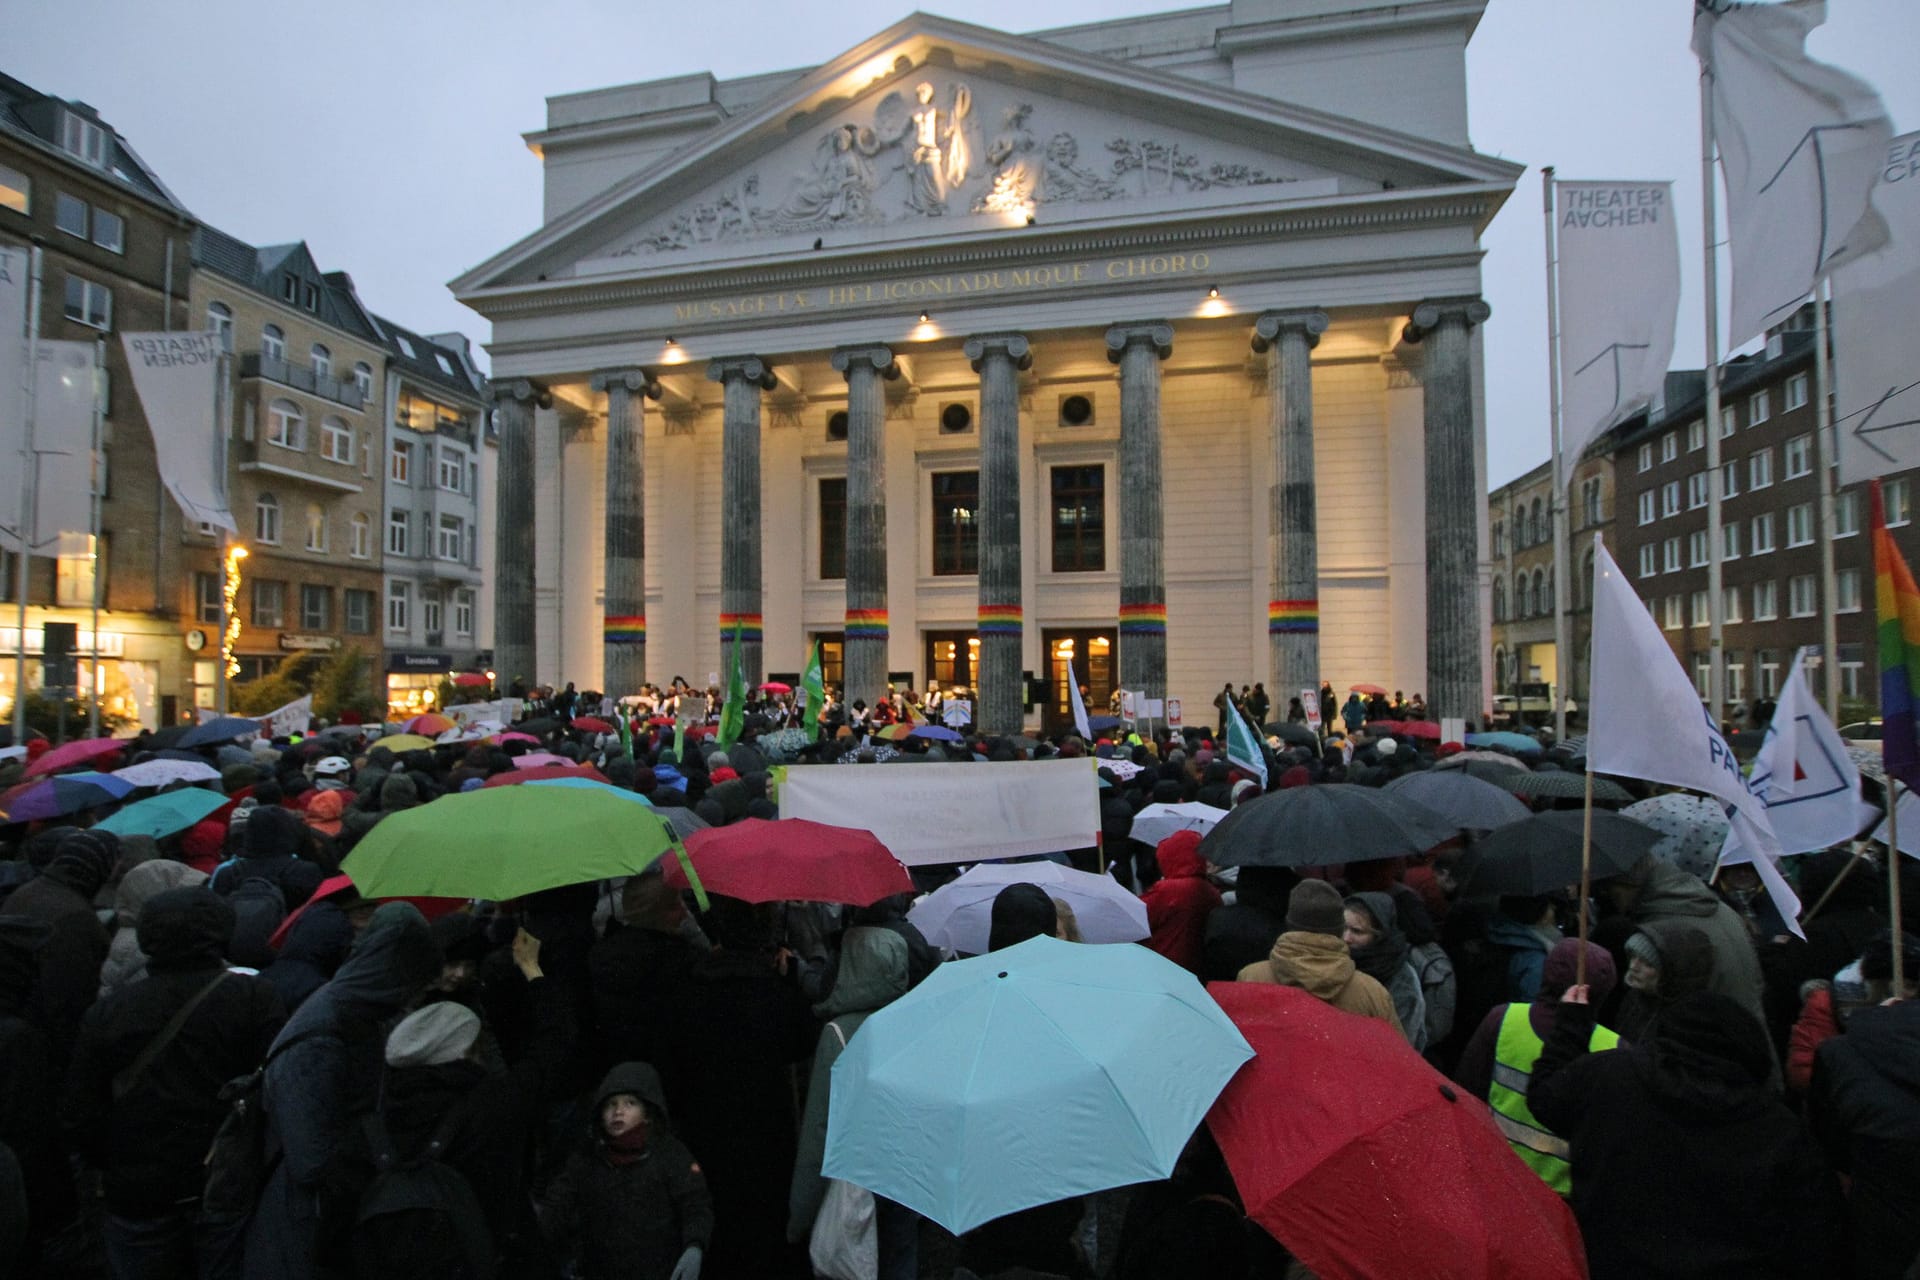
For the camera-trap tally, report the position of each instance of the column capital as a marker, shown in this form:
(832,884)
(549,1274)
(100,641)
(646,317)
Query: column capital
(1427,316)
(745,368)
(1013,345)
(1313,322)
(635,380)
(522,390)
(868,353)
(1157,334)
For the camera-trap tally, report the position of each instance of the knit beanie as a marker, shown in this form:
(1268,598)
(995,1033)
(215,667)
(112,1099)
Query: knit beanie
(433,1035)
(1316,907)
(83,862)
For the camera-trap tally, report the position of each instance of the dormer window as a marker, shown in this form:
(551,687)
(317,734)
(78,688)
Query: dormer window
(441,360)
(405,345)
(310,298)
(82,138)
(290,289)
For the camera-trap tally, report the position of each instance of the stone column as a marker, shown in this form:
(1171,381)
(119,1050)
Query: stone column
(1138,349)
(1293,610)
(514,401)
(623,609)
(744,378)
(866,626)
(1443,326)
(998,359)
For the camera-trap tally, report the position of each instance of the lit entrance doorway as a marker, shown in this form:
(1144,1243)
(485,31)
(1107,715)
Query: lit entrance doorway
(1091,654)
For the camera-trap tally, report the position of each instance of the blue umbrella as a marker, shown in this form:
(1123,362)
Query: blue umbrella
(162,815)
(218,730)
(1518,743)
(938,732)
(66,793)
(592,784)
(1101,724)
(1024,1076)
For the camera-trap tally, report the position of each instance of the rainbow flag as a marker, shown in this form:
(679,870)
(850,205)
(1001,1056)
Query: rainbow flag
(740,626)
(1898,602)
(866,624)
(1293,617)
(623,628)
(1143,619)
(1000,619)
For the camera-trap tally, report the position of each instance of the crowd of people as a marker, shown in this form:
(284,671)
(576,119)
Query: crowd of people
(222,1061)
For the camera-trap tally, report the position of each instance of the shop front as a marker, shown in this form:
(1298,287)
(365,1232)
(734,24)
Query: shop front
(129,674)
(413,680)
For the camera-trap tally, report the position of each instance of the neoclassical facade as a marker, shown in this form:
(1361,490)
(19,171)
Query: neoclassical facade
(1147,350)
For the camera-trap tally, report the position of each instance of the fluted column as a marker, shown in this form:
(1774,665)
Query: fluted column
(514,402)
(866,625)
(1138,349)
(744,378)
(1293,610)
(1443,326)
(998,359)
(623,610)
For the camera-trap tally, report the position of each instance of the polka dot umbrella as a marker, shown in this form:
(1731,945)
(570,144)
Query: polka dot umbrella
(1692,829)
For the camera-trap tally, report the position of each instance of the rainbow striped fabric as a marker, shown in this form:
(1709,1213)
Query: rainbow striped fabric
(866,624)
(1293,617)
(624,628)
(744,627)
(1143,619)
(1898,602)
(1000,619)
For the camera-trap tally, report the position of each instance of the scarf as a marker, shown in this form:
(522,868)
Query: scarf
(623,1149)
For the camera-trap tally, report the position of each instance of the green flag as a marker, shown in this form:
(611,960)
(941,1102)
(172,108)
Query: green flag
(733,711)
(621,723)
(814,686)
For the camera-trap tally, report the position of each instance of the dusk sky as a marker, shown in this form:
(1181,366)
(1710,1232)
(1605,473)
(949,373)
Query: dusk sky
(387,135)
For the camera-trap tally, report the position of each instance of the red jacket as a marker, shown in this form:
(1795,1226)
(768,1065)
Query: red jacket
(1180,901)
(1816,1024)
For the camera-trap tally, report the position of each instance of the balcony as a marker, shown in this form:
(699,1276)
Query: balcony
(258,364)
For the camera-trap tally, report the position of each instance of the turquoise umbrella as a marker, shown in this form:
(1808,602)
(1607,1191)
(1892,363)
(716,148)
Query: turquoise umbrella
(592,784)
(162,815)
(1024,1076)
(1518,743)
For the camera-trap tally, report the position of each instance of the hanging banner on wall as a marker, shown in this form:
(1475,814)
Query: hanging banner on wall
(177,378)
(61,465)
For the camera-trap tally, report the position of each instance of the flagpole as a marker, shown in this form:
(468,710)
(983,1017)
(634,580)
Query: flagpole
(1586,880)
(1806,917)
(1824,446)
(1716,604)
(1893,882)
(221,425)
(1561,507)
(28,518)
(93,532)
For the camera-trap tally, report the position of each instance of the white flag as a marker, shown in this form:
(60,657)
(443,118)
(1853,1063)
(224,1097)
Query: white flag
(1618,251)
(64,390)
(284,722)
(176,375)
(1803,773)
(14,266)
(1876,346)
(1079,704)
(1800,143)
(1909,825)
(1645,720)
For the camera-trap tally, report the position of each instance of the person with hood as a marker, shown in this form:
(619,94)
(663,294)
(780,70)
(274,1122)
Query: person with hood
(1657,891)
(1313,956)
(1380,950)
(637,966)
(873,973)
(126,963)
(68,971)
(1353,714)
(1180,901)
(142,1099)
(1242,932)
(1665,961)
(321,1070)
(635,1206)
(1684,1163)
(1021,911)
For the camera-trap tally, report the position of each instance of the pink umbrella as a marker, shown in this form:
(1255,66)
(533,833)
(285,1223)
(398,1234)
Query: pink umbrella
(534,759)
(73,753)
(512,736)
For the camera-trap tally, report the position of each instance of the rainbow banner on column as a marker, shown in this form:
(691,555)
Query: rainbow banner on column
(624,628)
(866,624)
(1898,602)
(1143,619)
(1000,619)
(741,626)
(1293,617)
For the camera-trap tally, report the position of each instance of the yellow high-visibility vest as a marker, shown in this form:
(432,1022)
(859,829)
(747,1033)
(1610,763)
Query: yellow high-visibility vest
(1518,1049)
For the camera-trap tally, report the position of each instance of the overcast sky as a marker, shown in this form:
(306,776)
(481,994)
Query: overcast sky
(387,134)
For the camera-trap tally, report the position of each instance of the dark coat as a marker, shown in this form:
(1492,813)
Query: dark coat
(1684,1164)
(634,974)
(69,962)
(1865,1109)
(312,952)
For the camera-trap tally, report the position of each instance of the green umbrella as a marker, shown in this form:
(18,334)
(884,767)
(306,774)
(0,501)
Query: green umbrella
(507,842)
(162,815)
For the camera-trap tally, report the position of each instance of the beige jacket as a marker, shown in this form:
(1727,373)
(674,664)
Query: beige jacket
(1319,965)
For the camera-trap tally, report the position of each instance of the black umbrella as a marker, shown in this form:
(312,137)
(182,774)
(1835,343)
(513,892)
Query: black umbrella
(1541,853)
(221,729)
(1103,724)
(746,758)
(1462,799)
(1332,822)
(1293,731)
(1560,785)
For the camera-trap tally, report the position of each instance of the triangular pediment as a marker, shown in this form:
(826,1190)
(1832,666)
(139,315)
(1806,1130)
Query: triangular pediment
(938,129)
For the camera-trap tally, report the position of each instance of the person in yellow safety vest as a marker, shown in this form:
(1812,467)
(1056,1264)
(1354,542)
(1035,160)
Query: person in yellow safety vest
(1497,1063)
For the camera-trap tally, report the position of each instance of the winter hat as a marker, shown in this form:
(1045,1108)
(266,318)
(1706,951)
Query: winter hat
(1641,947)
(1021,911)
(1316,907)
(238,777)
(1244,787)
(398,792)
(722,773)
(1387,747)
(433,1035)
(274,832)
(1562,967)
(83,862)
(1297,776)
(185,928)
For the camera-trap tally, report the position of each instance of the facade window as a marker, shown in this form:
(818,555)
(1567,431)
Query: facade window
(316,607)
(70,214)
(1697,608)
(1669,446)
(1696,436)
(1670,498)
(1766,601)
(322,360)
(451,468)
(1796,392)
(1730,540)
(397,540)
(1671,617)
(1498,537)
(84,139)
(358,606)
(1760,469)
(833,527)
(1729,480)
(1736,678)
(363,380)
(16,190)
(1846,514)
(399,606)
(1646,507)
(362,536)
(220,321)
(287,425)
(1499,599)
(266,519)
(1851,669)
(1079,519)
(74,574)
(1696,490)
(956,525)
(1769,666)
(1728,421)
(1647,561)
(463,612)
(1537,525)
(336,441)
(430,614)
(1670,555)
(1759,407)
(269,603)
(1590,502)
(290,289)
(400,462)
(1730,603)
(1894,495)
(1799,456)
(206,597)
(316,527)
(1646,456)
(1800,595)
(1697,547)
(109,231)
(1846,591)
(1800,525)
(1762,541)
(89,303)
(273,343)
(451,543)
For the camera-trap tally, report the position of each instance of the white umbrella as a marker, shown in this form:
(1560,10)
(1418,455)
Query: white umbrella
(960,915)
(1158,821)
(1121,769)
(160,773)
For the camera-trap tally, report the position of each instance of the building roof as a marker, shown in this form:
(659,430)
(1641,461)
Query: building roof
(29,114)
(1686,389)
(336,302)
(430,362)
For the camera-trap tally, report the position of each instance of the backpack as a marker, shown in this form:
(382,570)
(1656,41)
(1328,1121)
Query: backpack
(259,909)
(237,1161)
(419,1218)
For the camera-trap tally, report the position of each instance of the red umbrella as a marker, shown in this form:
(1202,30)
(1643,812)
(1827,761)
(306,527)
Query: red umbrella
(73,753)
(1421,729)
(1386,726)
(661,722)
(334,886)
(592,724)
(774,686)
(514,777)
(1337,1126)
(471,680)
(761,861)
(1366,688)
